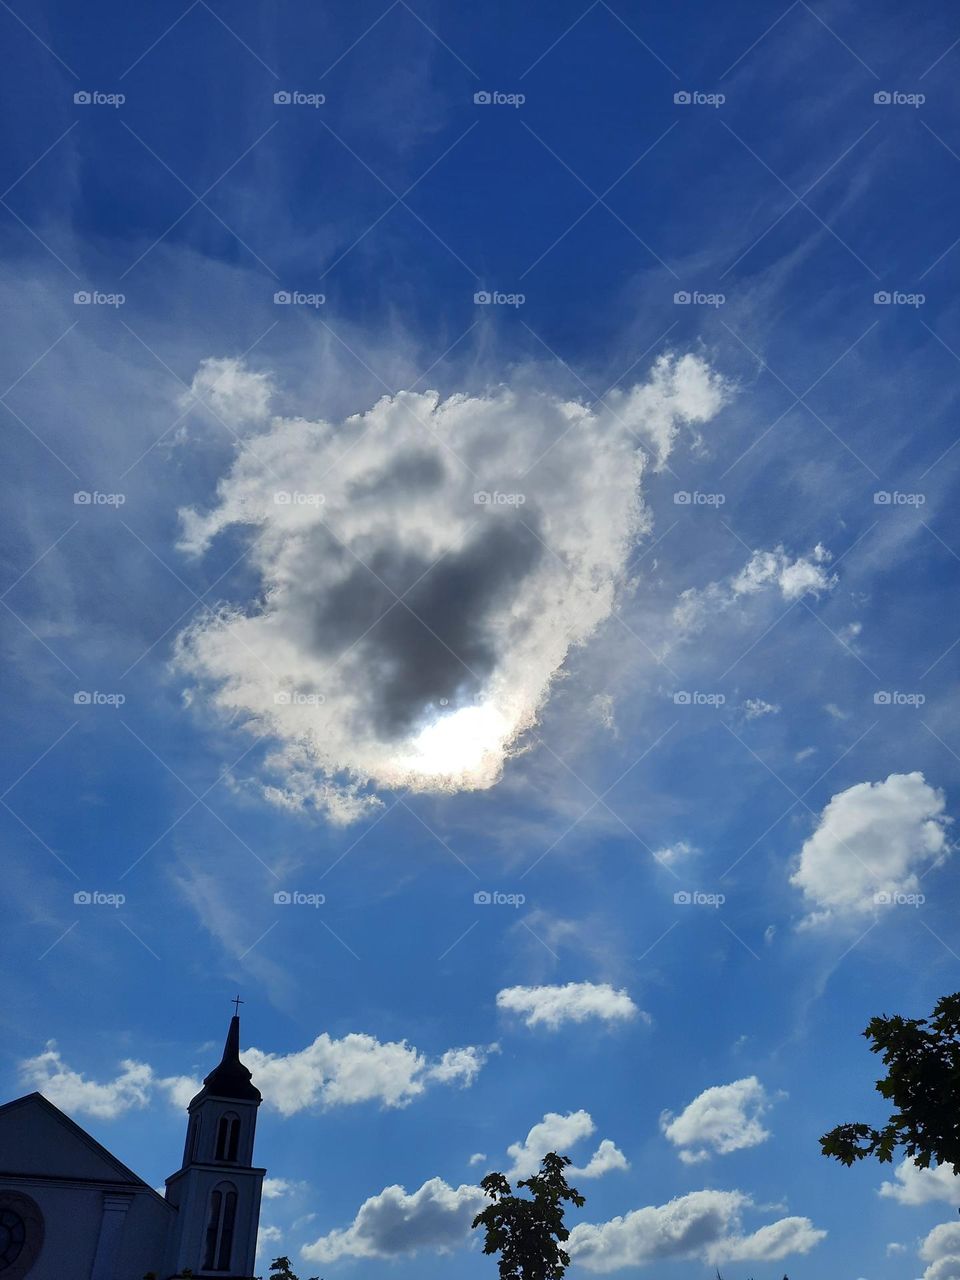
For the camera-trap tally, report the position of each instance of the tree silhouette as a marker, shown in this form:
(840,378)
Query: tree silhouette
(922,1057)
(528,1232)
(280,1270)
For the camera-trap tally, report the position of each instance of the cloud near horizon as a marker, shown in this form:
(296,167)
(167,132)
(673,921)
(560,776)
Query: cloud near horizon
(425,569)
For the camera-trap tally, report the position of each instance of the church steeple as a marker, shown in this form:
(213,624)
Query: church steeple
(217,1190)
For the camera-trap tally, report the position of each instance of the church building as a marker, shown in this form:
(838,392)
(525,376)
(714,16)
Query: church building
(69,1210)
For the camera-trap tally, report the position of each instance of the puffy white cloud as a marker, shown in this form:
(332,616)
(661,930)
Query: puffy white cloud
(236,396)
(425,569)
(913,1185)
(702,1224)
(671,854)
(553,1006)
(722,1119)
(274,1188)
(132,1087)
(478,1157)
(436,1217)
(327,1073)
(792,577)
(356,1068)
(941,1249)
(559,1133)
(871,839)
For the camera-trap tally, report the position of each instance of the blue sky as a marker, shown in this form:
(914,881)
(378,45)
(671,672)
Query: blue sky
(699,641)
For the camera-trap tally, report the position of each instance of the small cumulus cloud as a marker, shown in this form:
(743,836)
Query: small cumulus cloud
(554,1006)
(871,839)
(722,1119)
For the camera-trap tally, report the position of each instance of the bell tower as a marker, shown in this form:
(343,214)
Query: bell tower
(217,1189)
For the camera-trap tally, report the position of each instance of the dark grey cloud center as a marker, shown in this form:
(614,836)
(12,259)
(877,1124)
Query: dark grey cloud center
(440,642)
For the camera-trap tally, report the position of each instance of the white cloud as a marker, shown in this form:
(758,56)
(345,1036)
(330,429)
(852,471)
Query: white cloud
(274,1188)
(559,1133)
(702,1224)
(327,1073)
(132,1088)
(941,1249)
(357,1068)
(754,708)
(913,1185)
(436,1217)
(793,578)
(722,1119)
(871,839)
(671,854)
(553,1006)
(353,659)
(234,394)
(478,1157)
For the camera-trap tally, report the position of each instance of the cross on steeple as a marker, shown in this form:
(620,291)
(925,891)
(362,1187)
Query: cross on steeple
(237,1002)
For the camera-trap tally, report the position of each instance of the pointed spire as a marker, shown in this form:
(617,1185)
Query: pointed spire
(230,1078)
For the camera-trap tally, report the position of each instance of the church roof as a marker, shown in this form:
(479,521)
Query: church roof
(65,1152)
(229,1078)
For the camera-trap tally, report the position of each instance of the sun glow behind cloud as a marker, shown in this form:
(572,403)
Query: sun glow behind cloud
(426,568)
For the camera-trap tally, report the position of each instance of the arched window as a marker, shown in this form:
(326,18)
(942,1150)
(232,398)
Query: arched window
(221,1218)
(228,1136)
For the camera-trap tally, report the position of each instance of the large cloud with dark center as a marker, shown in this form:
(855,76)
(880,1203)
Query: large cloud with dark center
(426,568)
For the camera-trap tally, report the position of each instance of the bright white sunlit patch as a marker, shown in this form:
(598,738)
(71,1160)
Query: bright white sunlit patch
(460,748)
